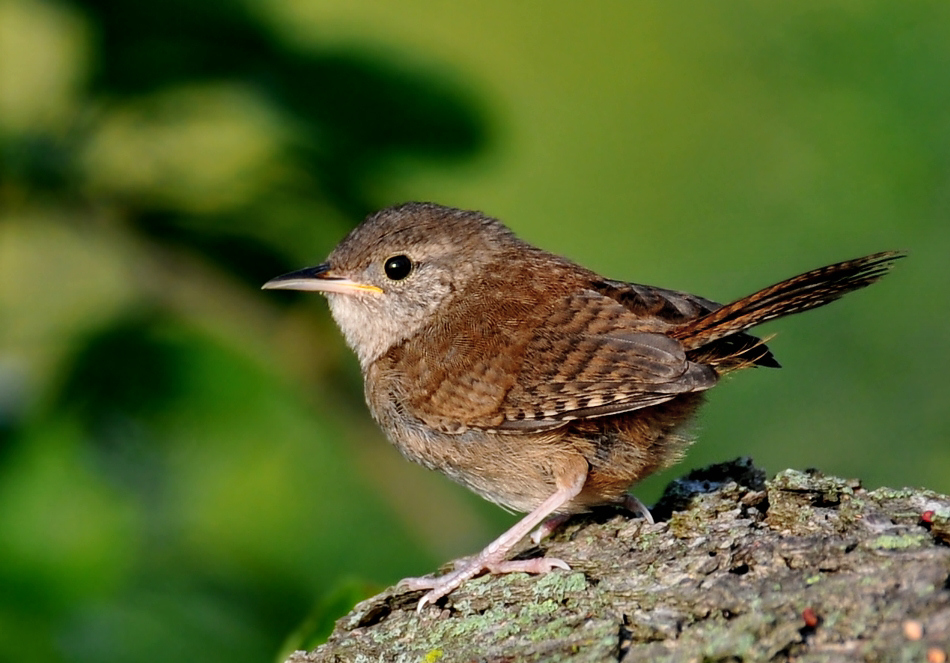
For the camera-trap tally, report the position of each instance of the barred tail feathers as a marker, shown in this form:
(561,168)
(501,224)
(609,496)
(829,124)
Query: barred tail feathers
(795,295)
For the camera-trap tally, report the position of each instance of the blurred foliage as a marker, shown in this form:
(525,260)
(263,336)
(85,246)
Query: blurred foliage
(164,491)
(186,468)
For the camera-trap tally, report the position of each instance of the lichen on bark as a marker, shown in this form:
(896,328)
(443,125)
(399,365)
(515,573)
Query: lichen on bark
(804,567)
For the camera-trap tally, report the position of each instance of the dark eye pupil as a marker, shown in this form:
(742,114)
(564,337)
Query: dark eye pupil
(398,267)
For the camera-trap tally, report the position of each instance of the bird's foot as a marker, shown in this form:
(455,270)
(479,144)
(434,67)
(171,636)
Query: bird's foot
(443,585)
(492,558)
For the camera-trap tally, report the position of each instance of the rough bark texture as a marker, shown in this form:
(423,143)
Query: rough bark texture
(801,568)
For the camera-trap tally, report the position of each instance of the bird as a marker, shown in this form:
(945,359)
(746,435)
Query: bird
(531,380)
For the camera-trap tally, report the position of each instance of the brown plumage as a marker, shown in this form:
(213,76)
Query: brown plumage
(531,380)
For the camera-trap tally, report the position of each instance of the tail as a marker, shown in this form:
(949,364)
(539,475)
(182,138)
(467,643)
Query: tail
(799,293)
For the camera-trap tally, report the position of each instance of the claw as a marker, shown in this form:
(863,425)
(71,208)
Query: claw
(439,587)
(536,565)
(633,505)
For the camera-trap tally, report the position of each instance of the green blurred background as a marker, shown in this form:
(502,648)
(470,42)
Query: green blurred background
(187,470)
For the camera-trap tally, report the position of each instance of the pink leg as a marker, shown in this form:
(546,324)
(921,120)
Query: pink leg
(630,503)
(548,526)
(492,558)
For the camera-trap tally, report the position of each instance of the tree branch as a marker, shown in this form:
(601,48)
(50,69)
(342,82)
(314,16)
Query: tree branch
(803,567)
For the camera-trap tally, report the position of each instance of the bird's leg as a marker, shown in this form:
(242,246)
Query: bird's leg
(492,558)
(630,503)
(548,526)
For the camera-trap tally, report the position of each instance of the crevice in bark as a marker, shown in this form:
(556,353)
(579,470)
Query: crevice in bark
(624,638)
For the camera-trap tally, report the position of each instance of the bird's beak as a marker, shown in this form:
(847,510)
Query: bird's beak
(318,279)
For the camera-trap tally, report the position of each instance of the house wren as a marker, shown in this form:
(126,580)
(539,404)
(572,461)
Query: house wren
(531,380)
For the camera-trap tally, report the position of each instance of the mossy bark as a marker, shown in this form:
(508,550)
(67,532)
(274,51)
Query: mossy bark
(800,568)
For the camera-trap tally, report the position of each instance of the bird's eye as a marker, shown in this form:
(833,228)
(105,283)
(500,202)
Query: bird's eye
(398,267)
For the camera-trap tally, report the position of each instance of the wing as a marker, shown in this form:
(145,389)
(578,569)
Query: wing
(525,366)
(676,308)
(670,306)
